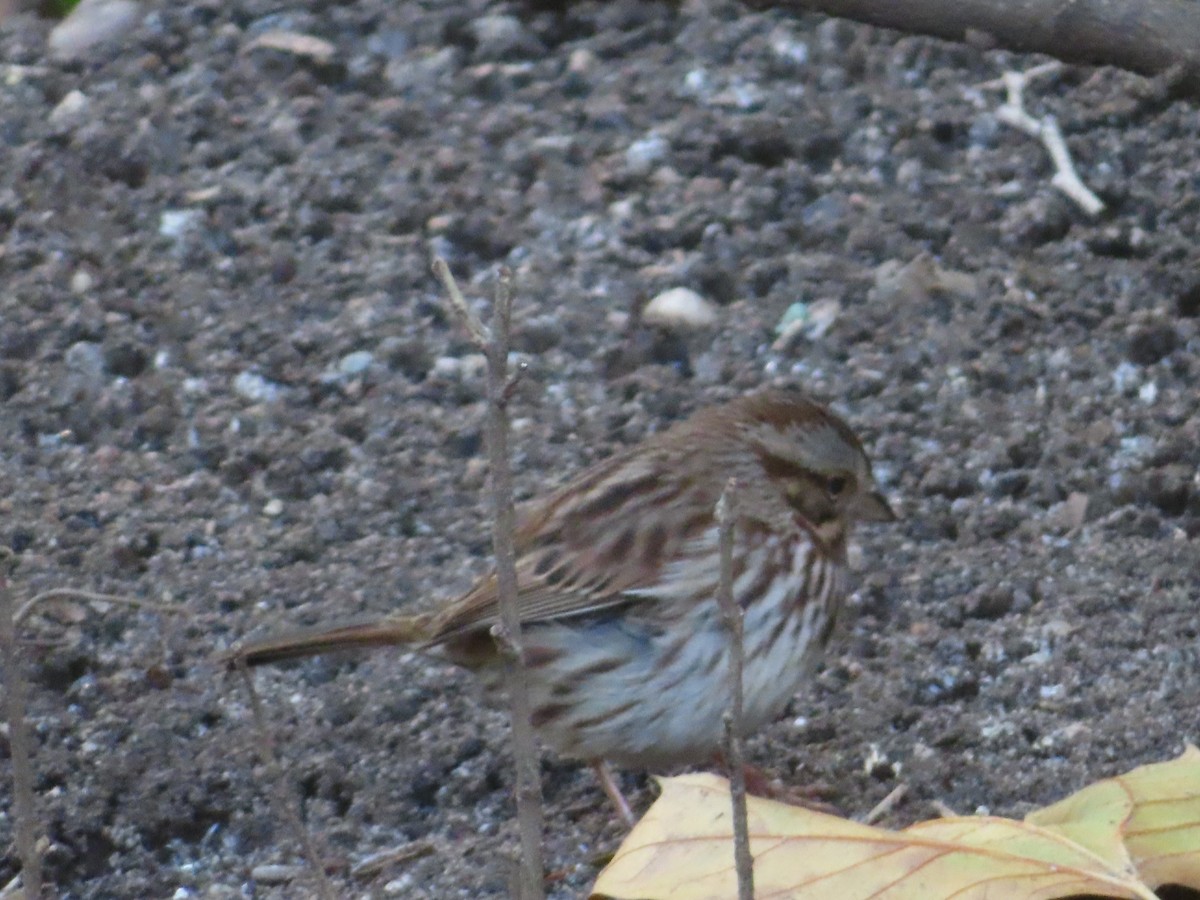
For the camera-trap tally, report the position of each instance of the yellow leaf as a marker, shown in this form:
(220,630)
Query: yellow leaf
(1153,811)
(683,849)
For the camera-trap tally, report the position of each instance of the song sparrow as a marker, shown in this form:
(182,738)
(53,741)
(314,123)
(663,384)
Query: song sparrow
(623,637)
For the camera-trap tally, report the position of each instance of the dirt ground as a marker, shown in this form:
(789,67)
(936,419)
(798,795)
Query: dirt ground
(229,390)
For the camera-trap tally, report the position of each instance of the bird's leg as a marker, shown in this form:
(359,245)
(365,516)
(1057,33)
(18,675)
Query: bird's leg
(760,784)
(609,784)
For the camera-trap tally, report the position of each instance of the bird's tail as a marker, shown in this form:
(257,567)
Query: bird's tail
(390,631)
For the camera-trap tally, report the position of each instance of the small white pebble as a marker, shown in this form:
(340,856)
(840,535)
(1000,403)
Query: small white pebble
(276,873)
(82,281)
(642,155)
(679,307)
(92,24)
(1124,376)
(696,82)
(788,48)
(252,386)
(355,363)
(273,507)
(399,887)
(175,223)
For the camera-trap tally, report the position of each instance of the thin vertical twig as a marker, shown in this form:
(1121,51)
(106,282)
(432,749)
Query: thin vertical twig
(731,612)
(494,343)
(24,812)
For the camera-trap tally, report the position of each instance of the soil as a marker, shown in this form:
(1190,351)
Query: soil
(229,390)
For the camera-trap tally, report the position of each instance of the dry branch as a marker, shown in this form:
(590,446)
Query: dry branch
(24,813)
(494,343)
(64,593)
(1013,113)
(1150,37)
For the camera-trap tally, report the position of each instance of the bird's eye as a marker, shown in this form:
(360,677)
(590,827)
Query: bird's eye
(836,485)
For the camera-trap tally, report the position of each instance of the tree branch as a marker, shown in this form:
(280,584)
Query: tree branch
(24,810)
(495,343)
(1150,37)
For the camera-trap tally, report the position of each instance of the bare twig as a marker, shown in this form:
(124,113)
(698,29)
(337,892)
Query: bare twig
(458,307)
(943,809)
(24,812)
(65,593)
(280,794)
(377,862)
(494,343)
(886,805)
(1046,130)
(732,615)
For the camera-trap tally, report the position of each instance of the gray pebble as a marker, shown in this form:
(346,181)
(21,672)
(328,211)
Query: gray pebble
(644,154)
(91,24)
(85,358)
(501,37)
(356,363)
(252,386)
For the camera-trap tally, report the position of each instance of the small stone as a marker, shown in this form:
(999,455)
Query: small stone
(399,887)
(1187,303)
(788,48)
(307,46)
(276,874)
(355,363)
(503,37)
(1151,344)
(990,603)
(85,358)
(826,214)
(644,154)
(1125,377)
(679,307)
(82,281)
(175,223)
(70,111)
(273,507)
(413,71)
(253,387)
(835,35)
(1039,220)
(409,356)
(91,24)
(125,359)
(390,43)
(1169,488)
(538,335)
(581,61)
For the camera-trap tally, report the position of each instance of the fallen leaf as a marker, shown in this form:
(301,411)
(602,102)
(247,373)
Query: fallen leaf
(1153,810)
(683,849)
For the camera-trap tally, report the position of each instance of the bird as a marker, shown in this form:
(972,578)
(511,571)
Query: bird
(624,644)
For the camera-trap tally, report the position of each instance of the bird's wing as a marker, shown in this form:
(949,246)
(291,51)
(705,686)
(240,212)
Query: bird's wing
(600,542)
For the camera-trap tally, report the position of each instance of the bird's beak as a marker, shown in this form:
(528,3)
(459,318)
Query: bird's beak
(870,506)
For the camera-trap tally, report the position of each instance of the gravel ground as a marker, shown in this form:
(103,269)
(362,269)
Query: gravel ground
(229,390)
